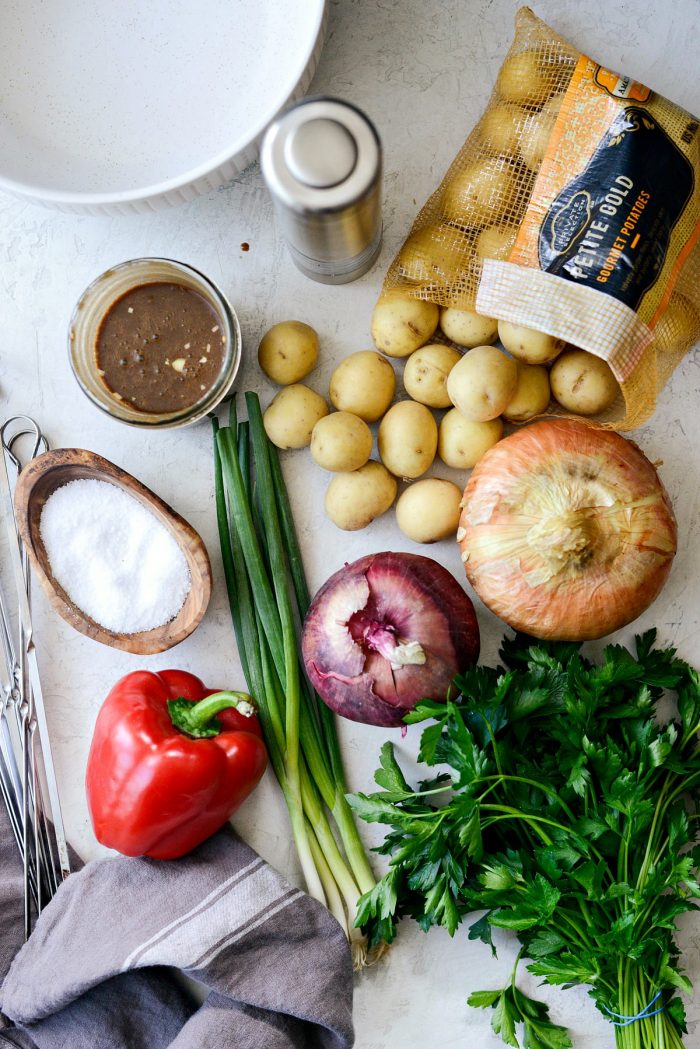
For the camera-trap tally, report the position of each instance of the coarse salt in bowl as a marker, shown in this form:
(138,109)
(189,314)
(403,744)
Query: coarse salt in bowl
(113,557)
(52,470)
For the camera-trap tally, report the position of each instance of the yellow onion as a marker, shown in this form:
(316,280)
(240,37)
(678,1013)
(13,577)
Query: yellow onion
(566,531)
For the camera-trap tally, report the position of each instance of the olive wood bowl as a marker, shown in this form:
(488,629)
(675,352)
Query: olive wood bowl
(40,478)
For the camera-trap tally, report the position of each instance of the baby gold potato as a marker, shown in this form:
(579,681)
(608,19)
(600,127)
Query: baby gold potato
(400,325)
(467,328)
(583,383)
(536,133)
(364,385)
(429,510)
(407,439)
(480,194)
(341,442)
(533,347)
(496,242)
(435,255)
(501,126)
(354,499)
(483,383)
(292,415)
(461,442)
(288,352)
(425,374)
(531,395)
(523,79)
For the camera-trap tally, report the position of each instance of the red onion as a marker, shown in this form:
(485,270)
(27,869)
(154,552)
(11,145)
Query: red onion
(385,632)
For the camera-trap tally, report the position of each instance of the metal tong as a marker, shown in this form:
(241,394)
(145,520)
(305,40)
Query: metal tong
(27,777)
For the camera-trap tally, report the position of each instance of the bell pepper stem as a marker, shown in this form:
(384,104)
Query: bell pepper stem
(199,719)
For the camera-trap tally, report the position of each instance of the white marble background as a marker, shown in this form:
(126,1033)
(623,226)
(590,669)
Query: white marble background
(423,70)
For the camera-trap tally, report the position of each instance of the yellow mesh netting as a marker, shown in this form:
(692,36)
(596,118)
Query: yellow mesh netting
(479,207)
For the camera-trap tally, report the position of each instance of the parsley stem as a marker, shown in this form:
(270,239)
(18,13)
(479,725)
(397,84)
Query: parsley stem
(494,786)
(494,747)
(527,817)
(585,913)
(682,788)
(513,814)
(513,986)
(435,790)
(501,778)
(661,809)
(583,938)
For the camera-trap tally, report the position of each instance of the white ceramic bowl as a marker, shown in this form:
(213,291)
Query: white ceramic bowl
(114,107)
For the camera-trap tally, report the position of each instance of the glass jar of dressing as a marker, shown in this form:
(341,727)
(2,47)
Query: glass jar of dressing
(154,343)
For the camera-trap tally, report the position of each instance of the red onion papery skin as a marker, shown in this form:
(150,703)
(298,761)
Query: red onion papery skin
(368,604)
(566,531)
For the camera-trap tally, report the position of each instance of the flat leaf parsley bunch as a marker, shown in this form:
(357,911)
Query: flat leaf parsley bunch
(570,817)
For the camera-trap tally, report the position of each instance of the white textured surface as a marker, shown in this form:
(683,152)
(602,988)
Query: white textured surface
(422,69)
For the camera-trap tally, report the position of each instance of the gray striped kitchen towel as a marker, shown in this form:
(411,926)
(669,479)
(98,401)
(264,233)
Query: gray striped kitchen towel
(92,976)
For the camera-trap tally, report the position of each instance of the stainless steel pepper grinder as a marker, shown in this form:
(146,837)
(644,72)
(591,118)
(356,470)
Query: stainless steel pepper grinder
(322,162)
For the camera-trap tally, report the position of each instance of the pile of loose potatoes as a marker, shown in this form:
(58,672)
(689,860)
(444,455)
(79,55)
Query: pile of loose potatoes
(481,386)
(361,390)
(477,384)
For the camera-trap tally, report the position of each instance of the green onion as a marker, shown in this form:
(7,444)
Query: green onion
(269,597)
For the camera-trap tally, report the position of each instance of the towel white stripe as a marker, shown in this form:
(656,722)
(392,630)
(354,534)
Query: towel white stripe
(195,935)
(192,913)
(240,933)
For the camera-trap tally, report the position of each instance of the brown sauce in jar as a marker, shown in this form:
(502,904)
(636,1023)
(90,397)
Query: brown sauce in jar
(160,347)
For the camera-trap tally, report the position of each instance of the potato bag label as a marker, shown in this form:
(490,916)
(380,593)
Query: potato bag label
(616,226)
(610,228)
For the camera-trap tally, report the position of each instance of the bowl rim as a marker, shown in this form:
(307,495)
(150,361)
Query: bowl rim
(32,191)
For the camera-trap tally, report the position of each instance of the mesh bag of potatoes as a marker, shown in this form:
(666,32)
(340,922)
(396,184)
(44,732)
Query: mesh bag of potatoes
(573,209)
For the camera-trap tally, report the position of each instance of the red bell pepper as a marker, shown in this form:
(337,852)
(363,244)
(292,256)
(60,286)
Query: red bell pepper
(170,761)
